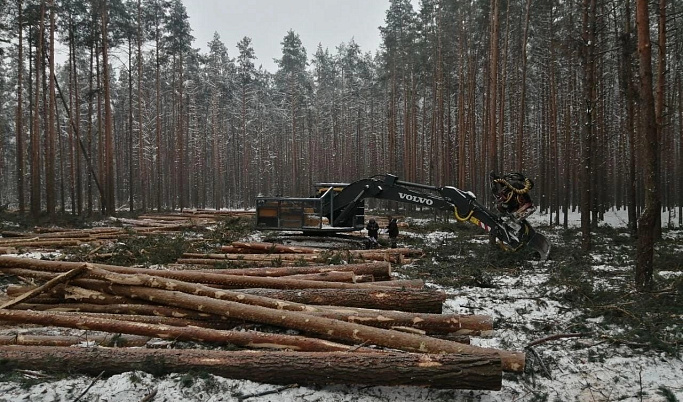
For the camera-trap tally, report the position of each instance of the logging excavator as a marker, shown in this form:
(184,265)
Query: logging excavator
(340,207)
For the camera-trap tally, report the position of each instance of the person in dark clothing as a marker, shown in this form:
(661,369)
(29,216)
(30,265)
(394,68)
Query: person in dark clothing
(373,232)
(393,231)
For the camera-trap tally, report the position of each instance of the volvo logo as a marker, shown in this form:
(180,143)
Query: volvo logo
(416,199)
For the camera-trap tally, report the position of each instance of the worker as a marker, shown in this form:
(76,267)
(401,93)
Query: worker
(373,232)
(393,231)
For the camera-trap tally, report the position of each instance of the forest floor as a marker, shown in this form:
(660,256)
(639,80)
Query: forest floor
(613,343)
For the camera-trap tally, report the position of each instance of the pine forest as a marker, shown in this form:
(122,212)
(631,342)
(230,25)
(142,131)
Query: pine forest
(584,96)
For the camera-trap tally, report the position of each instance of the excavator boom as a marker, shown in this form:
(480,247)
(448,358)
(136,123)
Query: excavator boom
(341,207)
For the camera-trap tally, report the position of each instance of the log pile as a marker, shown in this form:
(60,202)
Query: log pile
(260,253)
(345,331)
(55,237)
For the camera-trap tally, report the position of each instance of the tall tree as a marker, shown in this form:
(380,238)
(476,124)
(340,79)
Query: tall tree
(178,45)
(35,131)
(292,77)
(19,116)
(246,76)
(588,59)
(648,129)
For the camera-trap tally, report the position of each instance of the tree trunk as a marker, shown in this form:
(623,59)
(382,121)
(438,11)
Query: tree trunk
(380,271)
(589,10)
(19,117)
(35,132)
(249,339)
(450,371)
(116,340)
(51,122)
(648,219)
(409,300)
(329,328)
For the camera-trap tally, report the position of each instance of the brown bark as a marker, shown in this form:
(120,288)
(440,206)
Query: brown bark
(230,281)
(648,144)
(430,323)
(8,250)
(449,371)
(211,322)
(63,340)
(331,276)
(329,328)
(409,300)
(253,257)
(40,242)
(19,122)
(379,270)
(274,248)
(129,309)
(65,294)
(249,339)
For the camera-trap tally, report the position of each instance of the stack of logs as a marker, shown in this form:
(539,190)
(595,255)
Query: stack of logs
(354,324)
(55,238)
(267,254)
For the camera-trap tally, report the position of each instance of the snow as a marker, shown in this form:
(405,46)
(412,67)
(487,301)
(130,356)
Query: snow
(581,369)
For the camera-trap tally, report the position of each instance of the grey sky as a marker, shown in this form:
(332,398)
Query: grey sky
(266,22)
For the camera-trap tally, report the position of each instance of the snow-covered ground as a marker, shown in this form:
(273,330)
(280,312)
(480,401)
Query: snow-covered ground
(566,369)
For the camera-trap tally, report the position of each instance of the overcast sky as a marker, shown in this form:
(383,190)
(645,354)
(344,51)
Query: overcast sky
(266,22)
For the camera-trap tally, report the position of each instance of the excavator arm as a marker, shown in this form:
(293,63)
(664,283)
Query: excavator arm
(344,209)
(463,204)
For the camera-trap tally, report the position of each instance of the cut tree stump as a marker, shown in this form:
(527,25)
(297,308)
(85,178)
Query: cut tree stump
(443,371)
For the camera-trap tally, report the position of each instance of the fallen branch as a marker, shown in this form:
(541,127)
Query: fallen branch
(85,391)
(48,285)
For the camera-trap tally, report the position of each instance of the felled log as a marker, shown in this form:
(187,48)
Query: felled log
(326,327)
(252,257)
(230,281)
(214,323)
(380,270)
(35,242)
(409,300)
(250,339)
(429,323)
(132,310)
(274,248)
(331,276)
(8,250)
(46,286)
(63,340)
(446,371)
(240,263)
(65,293)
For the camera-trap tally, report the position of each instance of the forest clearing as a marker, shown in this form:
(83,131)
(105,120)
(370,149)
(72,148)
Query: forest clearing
(569,328)
(147,188)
